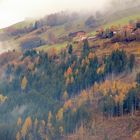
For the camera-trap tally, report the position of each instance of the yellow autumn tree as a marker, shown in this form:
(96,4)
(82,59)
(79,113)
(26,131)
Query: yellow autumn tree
(43,123)
(18,136)
(117,89)
(31,66)
(65,96)
(24,83)
(49,117)
(3,98)
(84,97)
(59,115)
(116,46)
(19,121)
(67,105)
(76,72)
(100,69)
(138,51)
(49,124)
(26,126)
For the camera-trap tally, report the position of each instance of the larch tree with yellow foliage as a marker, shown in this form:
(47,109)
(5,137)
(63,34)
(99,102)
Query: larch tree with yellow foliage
(24,83)
(18,136)
(19,122)
(2,98)
(59,115)
(26,127)
(65,96)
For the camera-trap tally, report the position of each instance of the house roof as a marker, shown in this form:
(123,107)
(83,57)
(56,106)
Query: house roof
(75,33)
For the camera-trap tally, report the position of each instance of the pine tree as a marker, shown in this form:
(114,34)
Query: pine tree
(86,48)
(131,62)
(70,49)
(138,78)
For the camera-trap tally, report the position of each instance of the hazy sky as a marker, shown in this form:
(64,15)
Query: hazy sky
(12,11)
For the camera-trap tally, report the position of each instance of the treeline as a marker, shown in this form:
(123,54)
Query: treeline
(118,98)
(71,72)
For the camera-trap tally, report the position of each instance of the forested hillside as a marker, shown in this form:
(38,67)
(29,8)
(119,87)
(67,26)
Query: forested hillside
(69,78)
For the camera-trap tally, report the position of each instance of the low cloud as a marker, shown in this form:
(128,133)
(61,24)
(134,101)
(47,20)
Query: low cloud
(12,11)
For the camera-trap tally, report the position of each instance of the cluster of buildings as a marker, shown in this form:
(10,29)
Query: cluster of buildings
(128,32)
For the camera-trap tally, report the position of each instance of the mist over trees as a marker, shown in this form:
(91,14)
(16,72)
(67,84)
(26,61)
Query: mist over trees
(116,5)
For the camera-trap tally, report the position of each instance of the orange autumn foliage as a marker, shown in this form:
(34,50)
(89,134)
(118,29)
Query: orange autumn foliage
(91,55)
(26,126)
(116,89)
(67,105)
(69,71)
